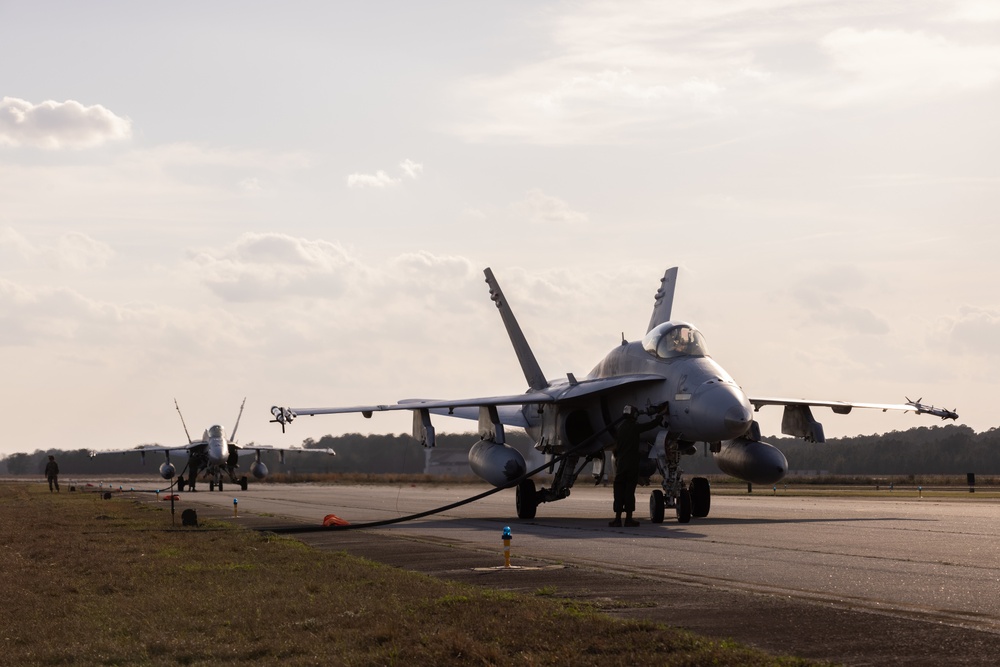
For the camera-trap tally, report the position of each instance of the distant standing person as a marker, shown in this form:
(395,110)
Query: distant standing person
(52,473)
(627,465)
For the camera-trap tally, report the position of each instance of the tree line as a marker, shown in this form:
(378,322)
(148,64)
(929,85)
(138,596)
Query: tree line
(925,450)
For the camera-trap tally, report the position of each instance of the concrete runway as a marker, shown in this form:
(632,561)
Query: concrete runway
(914,564)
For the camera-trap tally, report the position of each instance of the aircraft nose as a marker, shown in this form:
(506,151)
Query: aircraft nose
(737,420)
(720,412)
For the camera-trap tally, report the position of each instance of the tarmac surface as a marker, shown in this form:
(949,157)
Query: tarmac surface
(858,581)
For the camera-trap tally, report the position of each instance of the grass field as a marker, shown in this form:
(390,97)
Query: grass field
(110,582)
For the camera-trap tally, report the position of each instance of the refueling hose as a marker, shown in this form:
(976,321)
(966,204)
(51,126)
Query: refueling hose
(285,530)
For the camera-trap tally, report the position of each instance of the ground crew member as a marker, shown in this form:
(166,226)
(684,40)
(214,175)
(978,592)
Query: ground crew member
(52,473)
(627,465)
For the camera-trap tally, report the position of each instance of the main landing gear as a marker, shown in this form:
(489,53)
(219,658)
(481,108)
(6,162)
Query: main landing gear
(693,502)
(688,501)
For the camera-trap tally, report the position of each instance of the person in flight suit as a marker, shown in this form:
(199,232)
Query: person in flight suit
(627,464)
(52,473)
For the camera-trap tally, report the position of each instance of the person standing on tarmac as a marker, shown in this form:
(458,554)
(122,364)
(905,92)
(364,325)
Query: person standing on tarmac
(627,465)
(52,473)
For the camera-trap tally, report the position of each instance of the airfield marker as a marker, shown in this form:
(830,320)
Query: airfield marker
(235,512)
(506,546)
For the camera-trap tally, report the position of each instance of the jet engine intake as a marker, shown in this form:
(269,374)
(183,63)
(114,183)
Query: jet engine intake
(751,460)
(167,470)
(497,464)
(258,470)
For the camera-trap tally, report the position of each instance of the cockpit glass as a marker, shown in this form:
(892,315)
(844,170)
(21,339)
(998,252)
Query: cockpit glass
(215,432)
(670,340)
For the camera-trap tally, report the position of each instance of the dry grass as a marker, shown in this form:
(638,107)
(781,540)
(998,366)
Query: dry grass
(94,582)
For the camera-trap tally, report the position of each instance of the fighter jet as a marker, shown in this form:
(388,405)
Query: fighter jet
(212,457)
(669,373)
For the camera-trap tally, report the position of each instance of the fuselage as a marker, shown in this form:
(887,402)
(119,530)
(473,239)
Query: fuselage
(217,448)
(704,403)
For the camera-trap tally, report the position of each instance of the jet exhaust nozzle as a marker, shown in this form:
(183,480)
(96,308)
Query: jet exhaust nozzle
(752,461)
(258,470)
(497,464)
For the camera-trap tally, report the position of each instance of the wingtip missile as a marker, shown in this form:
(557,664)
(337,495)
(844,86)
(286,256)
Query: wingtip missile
(282,416)
(922,409)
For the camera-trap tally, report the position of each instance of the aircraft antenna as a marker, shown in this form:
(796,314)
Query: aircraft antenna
(232,436)
(182,421)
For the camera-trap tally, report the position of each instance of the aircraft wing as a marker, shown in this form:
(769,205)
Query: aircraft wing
(151,449)
(422,404)
(251,448)
(844,407)
(468,408)
(798,420)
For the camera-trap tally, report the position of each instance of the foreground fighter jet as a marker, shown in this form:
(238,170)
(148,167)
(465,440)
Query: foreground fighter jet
(669,373)
(213,457)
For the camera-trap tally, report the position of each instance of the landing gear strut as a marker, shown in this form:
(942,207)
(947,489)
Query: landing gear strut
(687,503)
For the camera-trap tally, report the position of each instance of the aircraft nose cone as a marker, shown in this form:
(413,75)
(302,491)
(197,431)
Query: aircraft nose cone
(719,412)
(737,420)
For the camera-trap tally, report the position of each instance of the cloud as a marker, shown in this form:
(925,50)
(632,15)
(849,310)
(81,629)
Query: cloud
(885,64)
(608,75)
(826,296)
(542,209)
(411,168)
(974,331)
(32,316)
(58,125)
(976,11)
(73,251)
(379,179)
(259,267)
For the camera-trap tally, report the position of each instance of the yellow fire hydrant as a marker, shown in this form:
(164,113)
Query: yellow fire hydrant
(506,546)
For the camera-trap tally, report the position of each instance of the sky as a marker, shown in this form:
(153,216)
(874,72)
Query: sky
(294,203)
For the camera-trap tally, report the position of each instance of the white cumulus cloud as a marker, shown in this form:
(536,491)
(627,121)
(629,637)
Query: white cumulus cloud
(73,250)
(379,179)
(890,63)
(56,125)
(259,267)
(411,168)
(542,209)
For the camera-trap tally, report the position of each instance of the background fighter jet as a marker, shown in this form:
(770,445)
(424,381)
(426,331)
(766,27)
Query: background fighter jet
(669,372)
(212,457)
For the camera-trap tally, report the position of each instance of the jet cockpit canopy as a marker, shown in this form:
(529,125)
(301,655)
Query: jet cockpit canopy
(675,339)
(215,431)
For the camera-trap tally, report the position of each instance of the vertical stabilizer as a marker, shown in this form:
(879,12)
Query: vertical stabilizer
(232,436)
(664,299)
(182,421)
(532,371)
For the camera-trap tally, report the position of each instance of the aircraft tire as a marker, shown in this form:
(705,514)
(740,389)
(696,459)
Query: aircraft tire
(701,497)
(656,506)
(180,483)
(211,486)
(220,486)
(526,499)
(243,483)
(684,507)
